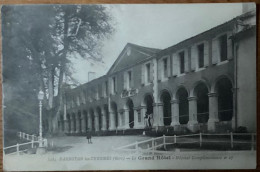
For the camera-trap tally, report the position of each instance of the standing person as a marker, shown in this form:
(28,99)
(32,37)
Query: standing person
(146,119)
(89,137)
(150,119)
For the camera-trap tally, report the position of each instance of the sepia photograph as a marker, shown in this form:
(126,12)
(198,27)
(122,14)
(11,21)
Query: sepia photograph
(129,86)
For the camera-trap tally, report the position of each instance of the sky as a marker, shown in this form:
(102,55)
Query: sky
(156,26)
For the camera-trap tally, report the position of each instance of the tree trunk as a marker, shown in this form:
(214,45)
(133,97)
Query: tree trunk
(62,68)
(51,87)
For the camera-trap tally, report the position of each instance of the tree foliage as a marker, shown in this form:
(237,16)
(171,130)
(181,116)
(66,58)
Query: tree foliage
(39,43)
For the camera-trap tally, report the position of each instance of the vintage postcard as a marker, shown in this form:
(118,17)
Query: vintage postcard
(129,86)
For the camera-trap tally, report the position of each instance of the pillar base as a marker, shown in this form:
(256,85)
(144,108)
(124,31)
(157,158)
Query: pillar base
(112,128)
(121,128)
(41,150)
(138,126)
(233,121)
(103,129)
(174,123)
(125,127)
(193,126)
(177,127)
(212,125)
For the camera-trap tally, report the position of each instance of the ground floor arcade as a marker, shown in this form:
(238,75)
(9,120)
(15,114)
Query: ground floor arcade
(205,105)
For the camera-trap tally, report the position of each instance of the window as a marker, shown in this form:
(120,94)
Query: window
(97,92)
(182,65)
(223,47)
(106,88)
(114,84)
(148,72)
(165,70)
(201,55)
(129,79)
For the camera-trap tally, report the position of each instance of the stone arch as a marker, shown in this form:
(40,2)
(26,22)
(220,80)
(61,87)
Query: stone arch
(165,99)
(143,103)
(69,122)
(79,126)
(162,92)
(213,88)
(129,105)
(98,110)
(175,95)
(92,118)
(201,91)
(107,115)
(85,118)
(73,119)
(182,95)
(148,101)
(61,122)
(192,91)
(224,90)
(114,111)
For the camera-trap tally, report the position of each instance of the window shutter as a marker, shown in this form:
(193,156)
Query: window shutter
(194,57)
(97,93)
(175,65)
(125,80)
(229,46)
(143,74)
(206,53)
(132,79)
(115,85)
(186,61)
(169,66)
(104,89)
(215,51)
(110,84)
(83,97)
(151,72)
(160,68)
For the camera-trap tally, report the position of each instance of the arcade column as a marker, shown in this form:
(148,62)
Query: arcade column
(193,123)
(112,120)
(175,113)
(104,119)
(213,111)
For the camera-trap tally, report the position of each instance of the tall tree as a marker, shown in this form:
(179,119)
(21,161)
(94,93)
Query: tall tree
(39,42)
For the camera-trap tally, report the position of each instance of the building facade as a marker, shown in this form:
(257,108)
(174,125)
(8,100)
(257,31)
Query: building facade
(199,84)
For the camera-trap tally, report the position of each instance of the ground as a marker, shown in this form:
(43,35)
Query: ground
(74,153)
(102,144)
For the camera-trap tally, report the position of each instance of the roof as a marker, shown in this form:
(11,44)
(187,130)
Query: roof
(131,54)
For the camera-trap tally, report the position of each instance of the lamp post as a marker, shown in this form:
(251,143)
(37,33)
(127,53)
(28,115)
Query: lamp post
(40,98)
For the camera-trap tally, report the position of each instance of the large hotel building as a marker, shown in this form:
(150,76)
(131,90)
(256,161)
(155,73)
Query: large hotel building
(206,83)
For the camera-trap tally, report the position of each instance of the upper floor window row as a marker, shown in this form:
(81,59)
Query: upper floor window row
(197,56)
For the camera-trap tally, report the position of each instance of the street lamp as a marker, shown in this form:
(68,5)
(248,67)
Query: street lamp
(40,98)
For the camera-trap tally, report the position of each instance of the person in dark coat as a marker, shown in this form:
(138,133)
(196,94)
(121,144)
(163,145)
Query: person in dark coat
(146,119)
(89,136)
